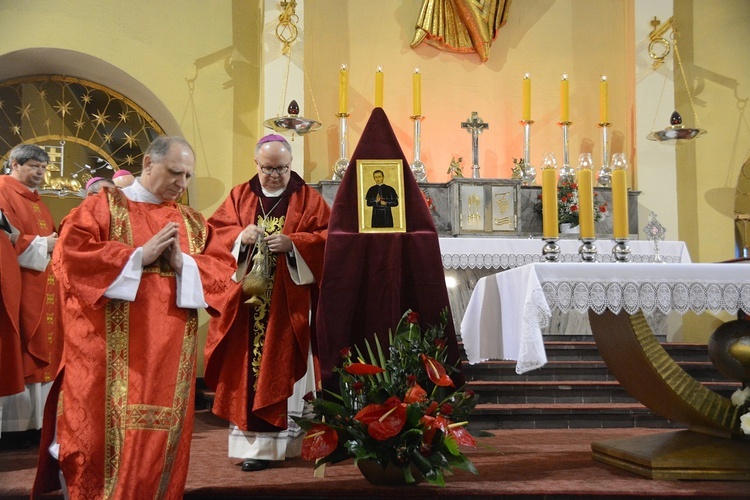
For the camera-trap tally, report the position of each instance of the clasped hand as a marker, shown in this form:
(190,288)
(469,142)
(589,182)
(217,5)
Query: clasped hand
(277,243)
(167,243)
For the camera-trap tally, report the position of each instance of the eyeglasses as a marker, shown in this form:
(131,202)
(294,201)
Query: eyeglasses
(275,170)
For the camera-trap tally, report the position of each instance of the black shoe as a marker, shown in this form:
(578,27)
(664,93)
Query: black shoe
(255,464)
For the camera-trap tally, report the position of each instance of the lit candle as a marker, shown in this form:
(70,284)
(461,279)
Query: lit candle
(586,197)
(343,90)
(379,87)
(416,81)
(564,99)
(619,197)
(603,100)
(526,98)
(549,197)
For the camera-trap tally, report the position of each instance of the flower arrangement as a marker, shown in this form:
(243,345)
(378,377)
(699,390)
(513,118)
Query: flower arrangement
(402,410)
(567,204)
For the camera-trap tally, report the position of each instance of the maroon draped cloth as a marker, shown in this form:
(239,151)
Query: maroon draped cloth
(370,279)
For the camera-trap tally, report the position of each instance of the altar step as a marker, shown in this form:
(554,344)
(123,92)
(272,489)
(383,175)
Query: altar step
(574,389)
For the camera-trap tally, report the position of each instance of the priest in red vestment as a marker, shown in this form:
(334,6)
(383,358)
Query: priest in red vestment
(258,353)
(39,326)
(11,365)
(135,267)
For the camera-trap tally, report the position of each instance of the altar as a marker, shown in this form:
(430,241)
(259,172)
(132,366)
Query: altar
(468,260)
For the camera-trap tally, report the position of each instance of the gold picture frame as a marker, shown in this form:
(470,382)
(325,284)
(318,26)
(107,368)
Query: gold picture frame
(378,211)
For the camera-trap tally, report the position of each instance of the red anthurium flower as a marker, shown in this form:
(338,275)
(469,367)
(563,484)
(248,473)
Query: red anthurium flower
(462,436)
(429,429)
(363,369)
(436,371)
(320,442)
(415,394)
(412,317)
(431,409)
(383,421)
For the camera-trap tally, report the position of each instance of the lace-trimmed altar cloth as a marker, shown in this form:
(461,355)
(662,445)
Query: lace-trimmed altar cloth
(508,310)
(507,253)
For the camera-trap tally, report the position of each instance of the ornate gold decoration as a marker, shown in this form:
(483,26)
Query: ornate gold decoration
(461,25)
(76,117)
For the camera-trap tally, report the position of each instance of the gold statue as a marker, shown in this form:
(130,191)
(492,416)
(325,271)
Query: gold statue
(461,25)
(455,168)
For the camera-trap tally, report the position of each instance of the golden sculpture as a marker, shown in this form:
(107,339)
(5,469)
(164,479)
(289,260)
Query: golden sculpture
(461,25)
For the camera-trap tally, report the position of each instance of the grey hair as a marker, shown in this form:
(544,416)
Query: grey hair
(25,152)
(283,142)
(159,147)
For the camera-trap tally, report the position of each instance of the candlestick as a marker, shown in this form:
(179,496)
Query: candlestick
(379,87)
(526,113)
(564,99)
(416,81)
(585,196)
(567,174)
(619,197)
(339,168)
(528,172)
(549,197)
(417,167)
(604,176)
(603,100)
(343,89)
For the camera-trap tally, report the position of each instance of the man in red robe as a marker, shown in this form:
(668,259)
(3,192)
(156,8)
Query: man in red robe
(11,364)
(258,353)
(41,338)
(135,267)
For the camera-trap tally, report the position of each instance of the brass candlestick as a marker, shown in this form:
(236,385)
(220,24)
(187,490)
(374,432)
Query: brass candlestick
(339,168)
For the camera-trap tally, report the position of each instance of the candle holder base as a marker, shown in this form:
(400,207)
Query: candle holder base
(551,250)
(604,177)
(567,174)
(621,251)
(419,171)
(587,250)
(339,168)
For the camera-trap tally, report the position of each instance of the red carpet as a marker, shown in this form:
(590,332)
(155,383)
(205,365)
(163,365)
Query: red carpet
(553,463)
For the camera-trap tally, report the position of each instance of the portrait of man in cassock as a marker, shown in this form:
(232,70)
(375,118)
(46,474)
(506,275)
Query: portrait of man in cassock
(258,353)
(39,318)
(381,197)
(135,267)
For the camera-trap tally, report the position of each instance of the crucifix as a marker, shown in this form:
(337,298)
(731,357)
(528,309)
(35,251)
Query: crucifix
(475,126)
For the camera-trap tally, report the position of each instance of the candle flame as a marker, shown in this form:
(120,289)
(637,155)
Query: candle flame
(343,66)
(379,69)
(604,78)
(526,76)
(416,69)
(565,76)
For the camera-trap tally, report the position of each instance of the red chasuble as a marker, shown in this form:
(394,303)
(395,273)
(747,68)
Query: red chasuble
(125,417)
(284,357)
(41,338)
(11,366)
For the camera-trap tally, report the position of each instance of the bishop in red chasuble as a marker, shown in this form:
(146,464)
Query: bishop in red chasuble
(258,352)
(135,266)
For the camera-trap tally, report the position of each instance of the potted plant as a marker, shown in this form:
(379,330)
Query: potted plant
(397,411)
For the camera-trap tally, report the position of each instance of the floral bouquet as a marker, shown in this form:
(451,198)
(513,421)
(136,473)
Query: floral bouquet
(741,398)
(401,410)
(567,204)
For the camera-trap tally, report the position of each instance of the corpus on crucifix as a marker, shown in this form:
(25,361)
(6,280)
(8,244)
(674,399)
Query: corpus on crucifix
(475,126)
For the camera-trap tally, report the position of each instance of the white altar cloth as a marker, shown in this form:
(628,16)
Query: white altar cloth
(507,253)
(508,310)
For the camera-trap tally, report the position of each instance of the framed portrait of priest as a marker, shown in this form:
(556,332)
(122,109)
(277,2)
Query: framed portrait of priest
(380,189)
